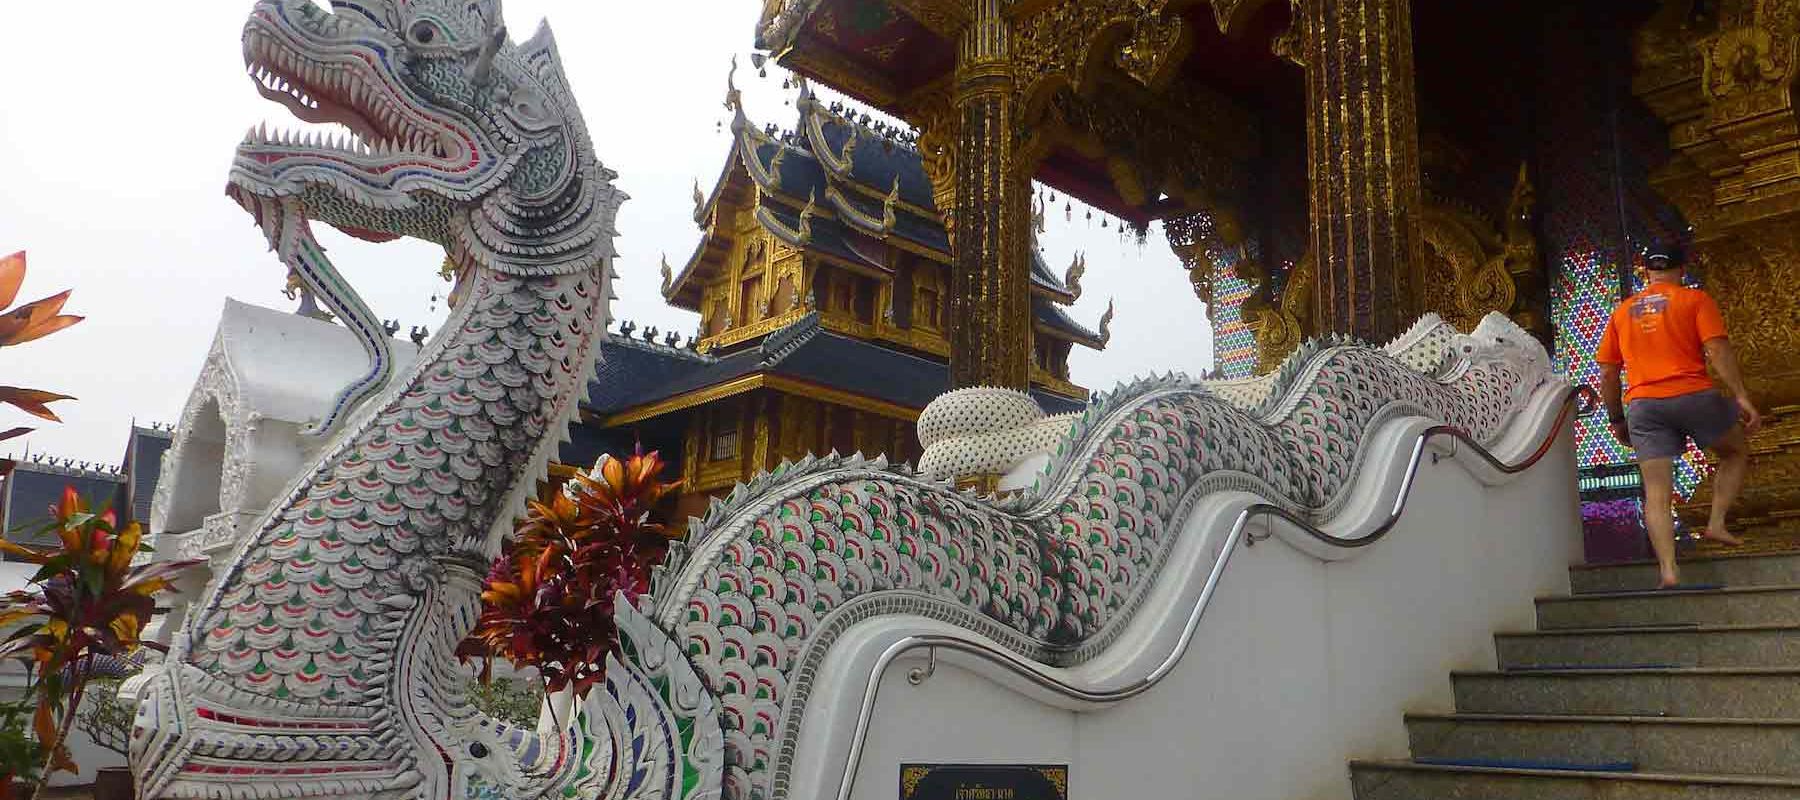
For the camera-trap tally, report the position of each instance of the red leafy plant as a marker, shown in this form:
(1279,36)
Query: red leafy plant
(548,603)
(89,603)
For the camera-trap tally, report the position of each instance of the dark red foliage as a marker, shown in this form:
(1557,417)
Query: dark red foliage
(548,603)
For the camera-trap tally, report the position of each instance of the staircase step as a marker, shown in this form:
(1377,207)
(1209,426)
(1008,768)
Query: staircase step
(1745,693)
(1656,744)
(1405,780)
(1732,569)
(1675,645)
(1751,605)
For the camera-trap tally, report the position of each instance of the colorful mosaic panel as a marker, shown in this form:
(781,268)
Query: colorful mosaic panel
(1583,296)
(1234,346)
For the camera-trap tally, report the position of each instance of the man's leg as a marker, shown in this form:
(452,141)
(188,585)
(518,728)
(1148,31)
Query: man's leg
(1733,452)
(1659,515)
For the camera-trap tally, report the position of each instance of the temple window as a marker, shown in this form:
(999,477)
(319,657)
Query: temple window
(927,311)
(843,294)
(749,302)
(725,435)
(929,307)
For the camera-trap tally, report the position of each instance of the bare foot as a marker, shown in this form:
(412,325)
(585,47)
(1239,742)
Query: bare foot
(1722,536)
(1669,579)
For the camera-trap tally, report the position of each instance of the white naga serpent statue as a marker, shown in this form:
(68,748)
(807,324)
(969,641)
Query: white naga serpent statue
(322,662)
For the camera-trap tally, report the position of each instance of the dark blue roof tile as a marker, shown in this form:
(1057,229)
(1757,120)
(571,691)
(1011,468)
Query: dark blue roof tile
(32,489)
(805,352)
(145,468)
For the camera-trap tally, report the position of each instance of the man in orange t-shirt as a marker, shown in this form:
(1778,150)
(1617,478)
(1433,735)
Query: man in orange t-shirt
(1663,337)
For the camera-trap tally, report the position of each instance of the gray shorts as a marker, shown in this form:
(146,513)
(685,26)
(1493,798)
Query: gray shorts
(1661,426)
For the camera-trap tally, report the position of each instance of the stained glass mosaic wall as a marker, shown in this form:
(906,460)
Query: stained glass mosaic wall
(1234,347)
(1582,296)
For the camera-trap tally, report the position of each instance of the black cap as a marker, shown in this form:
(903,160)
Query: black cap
(1665,258)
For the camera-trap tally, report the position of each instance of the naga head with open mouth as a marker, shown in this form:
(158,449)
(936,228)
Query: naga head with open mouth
(444,122)
(449,133)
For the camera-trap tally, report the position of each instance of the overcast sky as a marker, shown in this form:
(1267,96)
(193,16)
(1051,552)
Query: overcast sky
(117,128)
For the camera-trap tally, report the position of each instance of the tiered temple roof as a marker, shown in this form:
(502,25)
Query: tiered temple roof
(823,272)
(849,193)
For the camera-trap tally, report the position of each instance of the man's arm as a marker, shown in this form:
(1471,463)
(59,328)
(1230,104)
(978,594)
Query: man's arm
(1610,392)
(1724,361)
(1723,358)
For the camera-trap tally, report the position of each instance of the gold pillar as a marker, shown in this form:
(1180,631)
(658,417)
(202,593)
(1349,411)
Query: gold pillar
(990,319)
(1363,164)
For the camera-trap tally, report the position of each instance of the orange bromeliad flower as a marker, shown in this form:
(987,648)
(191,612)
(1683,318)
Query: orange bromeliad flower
(28,322)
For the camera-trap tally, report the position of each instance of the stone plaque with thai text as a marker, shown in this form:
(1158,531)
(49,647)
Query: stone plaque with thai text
(984,782)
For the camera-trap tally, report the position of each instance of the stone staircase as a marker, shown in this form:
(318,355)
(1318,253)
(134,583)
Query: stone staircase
(1624,694)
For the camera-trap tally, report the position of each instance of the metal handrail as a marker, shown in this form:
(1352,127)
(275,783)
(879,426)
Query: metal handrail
(1027,669)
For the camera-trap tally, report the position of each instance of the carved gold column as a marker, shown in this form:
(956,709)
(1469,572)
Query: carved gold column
(990,319)
(1363,163)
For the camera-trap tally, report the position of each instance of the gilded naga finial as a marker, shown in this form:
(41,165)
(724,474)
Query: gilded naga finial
(775,162)
(296,289)
(1106,324)
(734,100)
(849,151)
(447,270)
(806,216)
(699,203)
(888,218)
(1072,275)
(668,275)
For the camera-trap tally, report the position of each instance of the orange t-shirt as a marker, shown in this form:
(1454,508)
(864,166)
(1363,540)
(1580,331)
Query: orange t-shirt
(1657,334)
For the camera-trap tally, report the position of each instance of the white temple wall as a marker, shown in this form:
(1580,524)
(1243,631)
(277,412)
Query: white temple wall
(1298,666)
